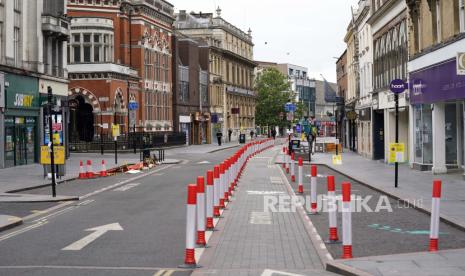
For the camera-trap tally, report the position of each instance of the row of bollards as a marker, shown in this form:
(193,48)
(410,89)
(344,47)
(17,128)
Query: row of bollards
(222,182)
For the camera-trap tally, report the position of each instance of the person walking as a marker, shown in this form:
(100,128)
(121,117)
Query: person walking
(229,134)
(219,136)
(273,133)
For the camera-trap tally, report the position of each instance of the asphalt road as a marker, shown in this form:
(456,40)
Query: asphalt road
(150,210)
(403,230)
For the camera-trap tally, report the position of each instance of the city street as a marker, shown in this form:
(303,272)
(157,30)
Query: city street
(149,209)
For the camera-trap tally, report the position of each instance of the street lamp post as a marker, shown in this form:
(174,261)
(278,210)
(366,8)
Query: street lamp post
(50,127)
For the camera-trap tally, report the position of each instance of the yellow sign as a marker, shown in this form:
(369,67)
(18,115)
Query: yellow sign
(115,130)
(337,159)
(56,138)
(396,152)
(59,155)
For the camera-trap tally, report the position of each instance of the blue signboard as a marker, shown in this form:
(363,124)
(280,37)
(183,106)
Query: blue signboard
(290,107)
(133,106)
(298,129)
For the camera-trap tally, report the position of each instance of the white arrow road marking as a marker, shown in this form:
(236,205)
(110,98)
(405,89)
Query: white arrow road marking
(203,162)
(269,272)
(97,232)
(126,187)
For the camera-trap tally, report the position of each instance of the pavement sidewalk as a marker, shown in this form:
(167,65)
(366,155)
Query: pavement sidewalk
(252,241)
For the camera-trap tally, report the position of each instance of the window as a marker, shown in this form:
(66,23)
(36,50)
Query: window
(77,53)
(87,53)
(86,38)
(17,6)
(436,13)
(76,37)
(16,40)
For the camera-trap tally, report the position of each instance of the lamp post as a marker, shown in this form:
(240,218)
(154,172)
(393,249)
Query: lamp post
(52,152)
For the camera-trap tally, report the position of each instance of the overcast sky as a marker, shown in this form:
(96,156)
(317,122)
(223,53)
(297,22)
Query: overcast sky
(302,32)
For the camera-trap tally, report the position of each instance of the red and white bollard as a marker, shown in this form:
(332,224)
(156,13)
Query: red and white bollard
(346,222)
(292,167)
(300,178)
(332,210)
(90,171)
(313,191)
(216,191)
(189,259)
(226,180)
(82,173)
(287,160)
(434,229)
(201,211)
(103,171)
(222,205)
(284,157)
(210,191)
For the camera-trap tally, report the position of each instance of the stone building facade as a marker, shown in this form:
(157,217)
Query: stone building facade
(231,71)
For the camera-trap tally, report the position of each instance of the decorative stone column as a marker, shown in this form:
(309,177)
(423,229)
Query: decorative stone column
(439,138)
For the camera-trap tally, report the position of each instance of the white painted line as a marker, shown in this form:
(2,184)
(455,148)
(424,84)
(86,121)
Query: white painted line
(97,232)
(269,272)
(126,187)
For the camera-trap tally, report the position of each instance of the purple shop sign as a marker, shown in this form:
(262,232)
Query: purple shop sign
(436,84)
(398,86)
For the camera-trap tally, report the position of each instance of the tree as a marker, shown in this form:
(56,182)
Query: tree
(273,93)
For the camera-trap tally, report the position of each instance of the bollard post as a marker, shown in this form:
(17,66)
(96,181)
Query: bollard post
(434,227)
(210,191)
(222,205)
(287,161)
(292,167)
(226,180)
(332,210)
(82,173)
(313,191)
(90,171)
(284,157)
(301,185)
(216,191)
(346,222)
(201,211)
(189,259)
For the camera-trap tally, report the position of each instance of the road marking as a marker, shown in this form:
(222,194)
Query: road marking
(22,230)
(126,187)
(263,218)
(203,162)
(93,267)
(169,272)
(159,273)
(97,232)
(265,193)
(269,272)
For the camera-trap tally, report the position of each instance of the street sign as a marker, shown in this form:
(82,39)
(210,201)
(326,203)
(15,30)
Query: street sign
(115,132)
(290,116)
(461,64)
(133,106)
(290,107)
(398,86)
(396,153)
(59,155)
(337,159)
(298,128)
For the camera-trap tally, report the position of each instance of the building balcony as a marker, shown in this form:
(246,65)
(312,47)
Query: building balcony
(101,68)
(56,26)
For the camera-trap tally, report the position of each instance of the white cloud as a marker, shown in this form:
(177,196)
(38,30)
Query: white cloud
(303,32)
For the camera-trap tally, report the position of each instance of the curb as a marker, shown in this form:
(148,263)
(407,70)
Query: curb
(342,269)
(60,199)
(446,219)
(57,182)
(225,148)
(8,226)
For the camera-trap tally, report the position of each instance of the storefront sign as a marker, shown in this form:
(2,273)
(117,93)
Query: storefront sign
(185,119)
(461,64)
(351,115)
(396,153)
(436,84)
(58,154)
(58,88)
(22,92)
(397,86)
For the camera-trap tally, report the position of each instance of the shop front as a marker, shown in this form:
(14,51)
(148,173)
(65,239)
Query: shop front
(437,96)
(364,132)
(21,120)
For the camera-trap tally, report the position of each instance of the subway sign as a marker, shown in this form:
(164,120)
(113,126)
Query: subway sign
(23,100)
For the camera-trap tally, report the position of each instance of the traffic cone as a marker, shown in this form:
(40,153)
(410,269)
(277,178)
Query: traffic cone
(103,172)
(82,173)
(90,171)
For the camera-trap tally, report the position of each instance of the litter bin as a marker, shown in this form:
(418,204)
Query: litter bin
(295,144)
(242,139)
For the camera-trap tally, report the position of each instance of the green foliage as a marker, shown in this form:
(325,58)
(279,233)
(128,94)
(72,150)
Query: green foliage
(273,93)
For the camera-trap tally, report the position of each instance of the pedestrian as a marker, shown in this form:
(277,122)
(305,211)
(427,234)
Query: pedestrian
(251,134)
(229,134)
(273,133)
(219,136)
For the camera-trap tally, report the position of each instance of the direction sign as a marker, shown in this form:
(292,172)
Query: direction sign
(290,107)
(397,86)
